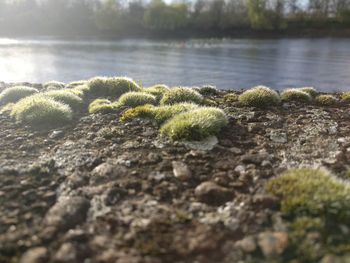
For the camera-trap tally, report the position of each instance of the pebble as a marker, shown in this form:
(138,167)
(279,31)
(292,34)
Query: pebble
(247,244)
(66,253)
(273,244)
(35,255)
(266,201)
(56,134)
(211,193)
(181,171)
(278,137)
(67,212)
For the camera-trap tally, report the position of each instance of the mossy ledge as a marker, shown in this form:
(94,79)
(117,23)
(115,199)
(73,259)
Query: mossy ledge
(181,181)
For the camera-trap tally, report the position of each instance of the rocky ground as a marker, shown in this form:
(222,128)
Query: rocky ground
(104,191)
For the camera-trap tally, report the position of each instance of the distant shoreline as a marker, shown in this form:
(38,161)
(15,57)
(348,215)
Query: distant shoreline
(190,34)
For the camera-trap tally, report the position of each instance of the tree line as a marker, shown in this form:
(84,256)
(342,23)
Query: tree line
(133,17)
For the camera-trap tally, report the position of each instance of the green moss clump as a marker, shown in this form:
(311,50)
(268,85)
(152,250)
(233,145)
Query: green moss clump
(6,110)
(326,100)
(309,90)
(159,114)
(53,85)
(312,193)
(318,206)
(75,84)
(231,97)
(40,111)
(260,97)
(157,90)
(179,95)
(134,99)
(345,97)
(296,95)
(208,90)
(195,125)
(65,97)
(16,93)
(102,106)
(116,86)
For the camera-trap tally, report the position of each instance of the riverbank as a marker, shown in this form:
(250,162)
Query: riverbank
(105,191)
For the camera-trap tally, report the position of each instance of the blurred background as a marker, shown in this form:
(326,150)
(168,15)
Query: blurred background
(232,44)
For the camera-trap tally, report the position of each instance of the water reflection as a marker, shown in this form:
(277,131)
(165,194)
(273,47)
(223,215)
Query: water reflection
(323,63)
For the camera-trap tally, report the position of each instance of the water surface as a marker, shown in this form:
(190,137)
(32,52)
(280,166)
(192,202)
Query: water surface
(228,64)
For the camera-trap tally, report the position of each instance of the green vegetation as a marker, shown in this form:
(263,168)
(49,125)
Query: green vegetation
(159,114)
(117,17)
(16,93)
(260,97)
(231,97)
(6,110)
(116,86)
(326,100)
(310,90)
(345,97)
(208,90)
(295,95)
(41,111)
(180,94)
(195,125)
(65,97)
(102,106)
(54,85)
(315,202)
(134,99)
(75,84)
(157,90)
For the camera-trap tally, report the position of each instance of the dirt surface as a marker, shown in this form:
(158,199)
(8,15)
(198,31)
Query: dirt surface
(103,191)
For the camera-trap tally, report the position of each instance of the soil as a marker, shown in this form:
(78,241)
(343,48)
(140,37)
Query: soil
(99,190)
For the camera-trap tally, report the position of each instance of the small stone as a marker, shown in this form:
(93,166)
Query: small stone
(255,158)
(35,255)
(278,137)
(181,171)
(56,134)
(211,193)
(66,253)
(266,201)
(108,171)
(247,244)
(235,150)
(273,244)
(67,212)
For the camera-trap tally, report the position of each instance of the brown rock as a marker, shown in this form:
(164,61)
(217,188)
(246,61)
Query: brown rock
(247,244)
(35,255)
(181,171)
(266,201)
(67,213)
(211,193)
(273,243)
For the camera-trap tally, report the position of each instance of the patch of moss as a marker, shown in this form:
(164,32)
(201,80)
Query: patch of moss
(159,114)
(195,125)
(116,86)
(157,90)
(260,97)
(231,97)
(208,90)
(179,95)
(102,106)
(295,95)
(74,84)
(65,97)
(345,97)
(41,111)
(16,93)
(309,90)
(134,99)
(54,85)
(6,110)
(312,193)
(318,206)
(110,133)
(326,100)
